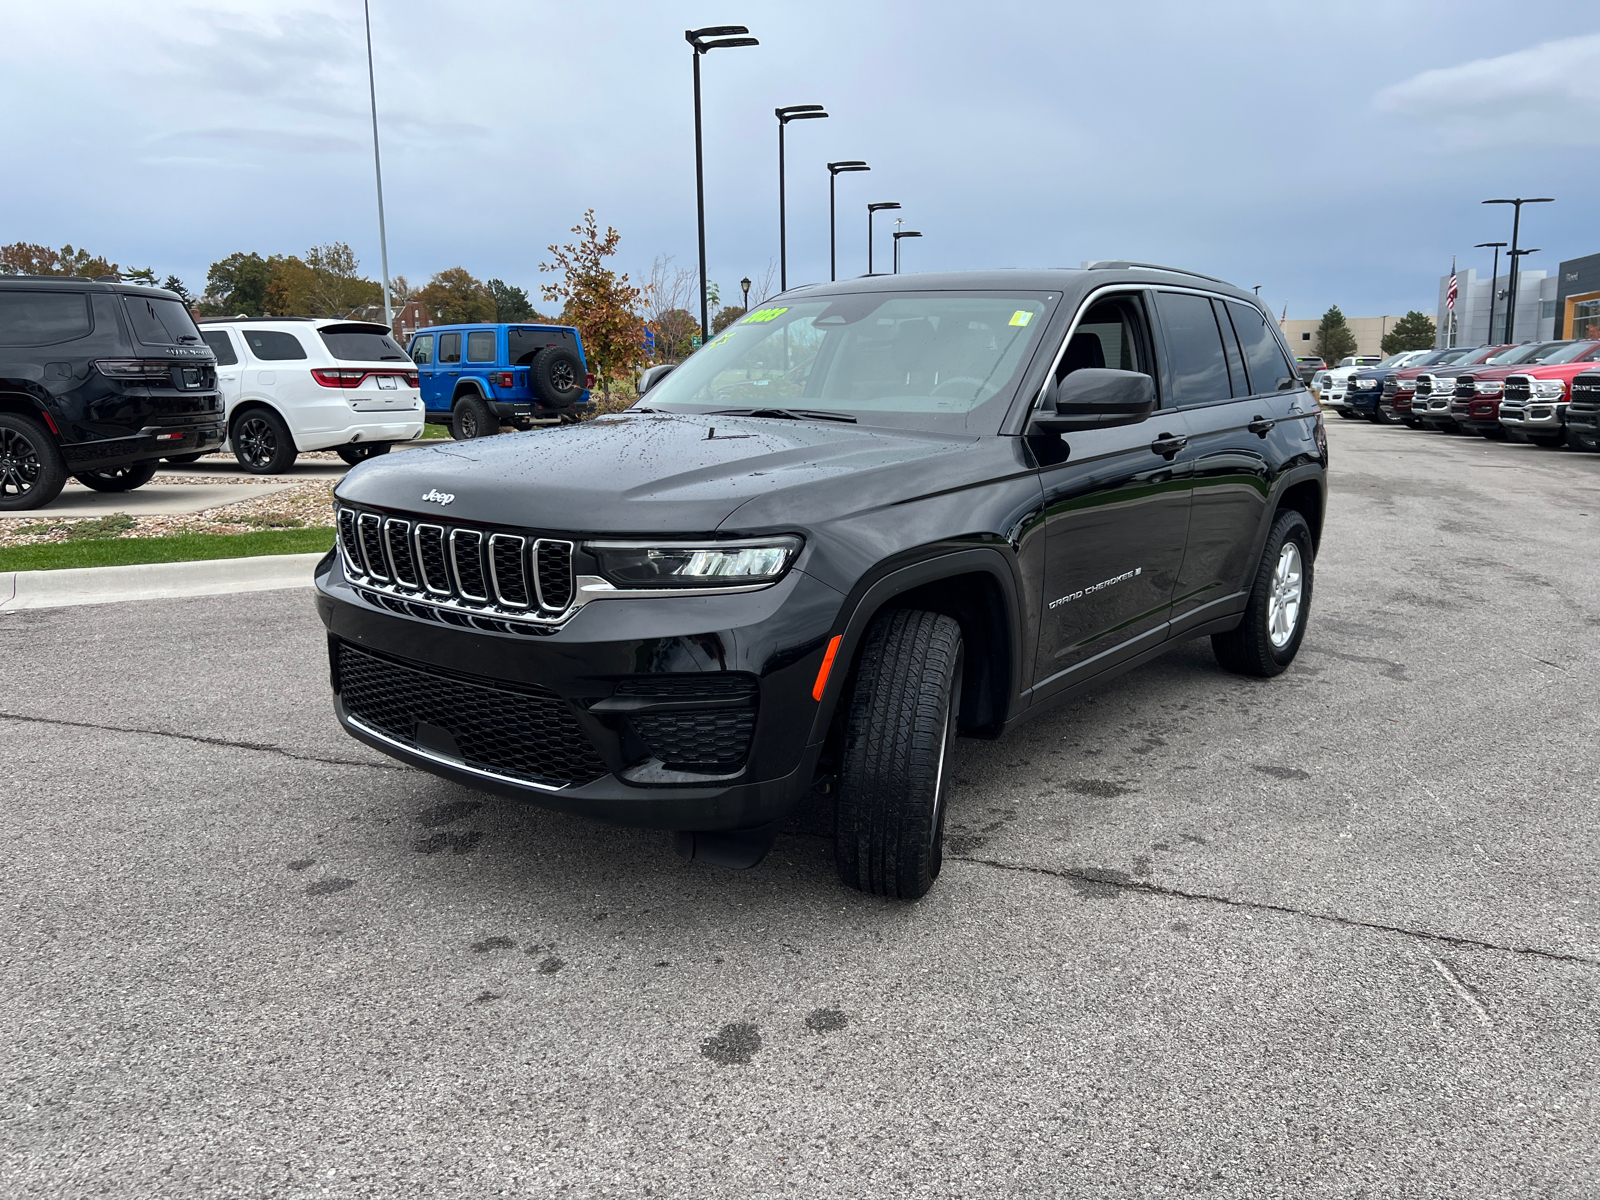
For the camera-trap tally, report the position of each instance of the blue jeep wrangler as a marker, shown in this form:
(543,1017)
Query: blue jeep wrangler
(474,377)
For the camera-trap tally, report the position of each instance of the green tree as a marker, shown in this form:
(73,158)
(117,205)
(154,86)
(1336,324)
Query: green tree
(454,297)
(237,286)
(339,288)
(292,288)
(1334,339)
(141,275)
(173,284)
(25,258)
(510,303)
(1414,331)
(726,317)
(601,303)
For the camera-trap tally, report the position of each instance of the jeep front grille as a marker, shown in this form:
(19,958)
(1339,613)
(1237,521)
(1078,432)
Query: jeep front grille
(456,573)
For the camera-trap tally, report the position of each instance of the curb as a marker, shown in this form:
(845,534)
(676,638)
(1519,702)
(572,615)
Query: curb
(154,581)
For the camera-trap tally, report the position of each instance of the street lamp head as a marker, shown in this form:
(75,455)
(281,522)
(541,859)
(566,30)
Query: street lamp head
(1522,200)
(900,233)
(853,164)
(1490,245)
(805,116)
(745,283)
(695,36)
(1520,253)
(791,112)
(883,204)
(725,43)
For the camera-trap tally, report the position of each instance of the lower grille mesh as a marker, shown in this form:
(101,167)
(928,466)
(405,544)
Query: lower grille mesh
(530,735)
(697,739)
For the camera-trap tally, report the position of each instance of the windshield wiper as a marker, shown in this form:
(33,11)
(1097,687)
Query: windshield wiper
(788,414)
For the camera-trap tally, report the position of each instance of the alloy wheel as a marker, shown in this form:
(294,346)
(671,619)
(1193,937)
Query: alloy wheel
(19,464)
(257,441)
(563,377)
(1283,603)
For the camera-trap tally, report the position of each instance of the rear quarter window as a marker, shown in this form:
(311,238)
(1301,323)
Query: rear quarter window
(222,346)
(271,345)
(29,318)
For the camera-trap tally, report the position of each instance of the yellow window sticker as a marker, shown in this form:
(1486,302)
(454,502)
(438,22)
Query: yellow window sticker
(1021,317)
(763,314)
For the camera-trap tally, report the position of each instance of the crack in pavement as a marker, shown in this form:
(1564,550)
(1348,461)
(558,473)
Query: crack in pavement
(1155,889)
(264,747)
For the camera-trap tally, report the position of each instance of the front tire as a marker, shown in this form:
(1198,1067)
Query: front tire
(32,471)
(1274,624)
(262,443)
(472,419)
(119,479)
(896,765)
(357,452)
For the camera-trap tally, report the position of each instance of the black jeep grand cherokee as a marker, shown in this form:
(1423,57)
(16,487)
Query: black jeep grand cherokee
(870,516)
(98,380)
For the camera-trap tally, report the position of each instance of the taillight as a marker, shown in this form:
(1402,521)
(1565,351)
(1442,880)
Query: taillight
(588,379)
(338,378)
(504,379)
(135,368)
(412,379)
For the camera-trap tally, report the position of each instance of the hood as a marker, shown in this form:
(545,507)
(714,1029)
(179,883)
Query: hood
(665,473)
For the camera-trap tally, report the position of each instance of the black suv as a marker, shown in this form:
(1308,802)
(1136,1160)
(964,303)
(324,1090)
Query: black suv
(98,380)
(866,518)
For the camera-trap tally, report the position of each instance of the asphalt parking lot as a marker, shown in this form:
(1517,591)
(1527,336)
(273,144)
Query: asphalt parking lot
(1336,934)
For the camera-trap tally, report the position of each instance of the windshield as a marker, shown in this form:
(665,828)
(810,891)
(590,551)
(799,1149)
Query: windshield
(1532,352)
(1571,352)
(901,358)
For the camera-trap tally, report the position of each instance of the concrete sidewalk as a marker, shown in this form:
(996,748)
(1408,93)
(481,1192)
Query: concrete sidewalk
(154,581)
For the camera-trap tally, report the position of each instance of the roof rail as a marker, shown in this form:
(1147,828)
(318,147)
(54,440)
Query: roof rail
(1120,265)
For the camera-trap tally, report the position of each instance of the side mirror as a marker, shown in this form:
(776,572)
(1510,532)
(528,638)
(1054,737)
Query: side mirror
(1094,398)
(654,375)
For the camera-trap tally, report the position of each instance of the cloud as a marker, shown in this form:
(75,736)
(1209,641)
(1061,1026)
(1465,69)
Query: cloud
(1546,94)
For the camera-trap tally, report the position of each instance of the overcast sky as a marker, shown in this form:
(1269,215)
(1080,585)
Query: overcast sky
(1331,152)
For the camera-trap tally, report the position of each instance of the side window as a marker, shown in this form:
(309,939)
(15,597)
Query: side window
(221,345)
(1263,356)
(480,346)
(1230,346)
(422,349)
(449,347)
(1194,346)
(42,318)
(270,345)
(1111,334)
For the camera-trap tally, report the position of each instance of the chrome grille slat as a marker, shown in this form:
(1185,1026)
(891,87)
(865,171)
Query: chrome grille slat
(397,540)
(370,526)
(466,564)
(508,569)
(349,541)
(432,571)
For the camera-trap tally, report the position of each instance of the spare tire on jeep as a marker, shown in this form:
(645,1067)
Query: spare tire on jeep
(557,375)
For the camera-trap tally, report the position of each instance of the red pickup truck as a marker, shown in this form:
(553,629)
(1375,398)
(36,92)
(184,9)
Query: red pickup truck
(1401,387)
(1533,407)
(1475,407)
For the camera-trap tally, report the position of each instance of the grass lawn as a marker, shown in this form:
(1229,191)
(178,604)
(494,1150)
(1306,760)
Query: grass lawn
(183,547)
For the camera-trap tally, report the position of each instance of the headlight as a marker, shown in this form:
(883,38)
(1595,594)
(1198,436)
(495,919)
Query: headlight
(1489,387)
(695,565)
(1549,389)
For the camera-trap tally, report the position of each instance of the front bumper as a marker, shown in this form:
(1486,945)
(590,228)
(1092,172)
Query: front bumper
(1534,417)
(588,674)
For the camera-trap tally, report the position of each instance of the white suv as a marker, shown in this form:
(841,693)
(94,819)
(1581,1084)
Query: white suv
(301,383)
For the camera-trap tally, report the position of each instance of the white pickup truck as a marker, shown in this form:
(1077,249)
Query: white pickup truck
(1329,384)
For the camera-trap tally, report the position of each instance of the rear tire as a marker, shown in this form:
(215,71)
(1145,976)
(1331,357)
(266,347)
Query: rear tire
(472,419)
(898,754)
(1547,440)
(262,443)
(357,452)
(119,479)
(557,377)
(32,471)
(1274,624)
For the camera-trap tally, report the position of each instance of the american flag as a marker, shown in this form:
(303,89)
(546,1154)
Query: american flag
(1450,296)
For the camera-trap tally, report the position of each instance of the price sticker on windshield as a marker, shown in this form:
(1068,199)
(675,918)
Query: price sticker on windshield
(1021,317)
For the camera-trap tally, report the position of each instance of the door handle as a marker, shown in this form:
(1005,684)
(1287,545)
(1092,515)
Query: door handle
(1169,444)
(1261,426)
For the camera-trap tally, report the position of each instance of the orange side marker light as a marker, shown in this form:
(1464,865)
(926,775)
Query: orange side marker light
(827,665)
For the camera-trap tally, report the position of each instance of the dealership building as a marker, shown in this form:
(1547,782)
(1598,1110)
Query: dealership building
(1563,304)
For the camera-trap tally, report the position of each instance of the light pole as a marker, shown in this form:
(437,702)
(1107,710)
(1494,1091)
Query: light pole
(873,209)
(789,112)
(377,166)
(745,284)
(1512,271)
(1514,274)
(898,234)
(835,169)
(723,36)
(1494,281)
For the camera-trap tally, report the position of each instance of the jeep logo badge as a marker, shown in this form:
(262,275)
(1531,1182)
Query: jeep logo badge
(435,496)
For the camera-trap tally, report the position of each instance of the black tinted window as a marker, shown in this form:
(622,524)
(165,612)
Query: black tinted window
(422,349)
(523,344)
(1194,346)
(361,345)
(1263,356)
(158,321)
(480,345)
(1230,346)
(42,318)
(271,346)
(222,346)
(449,347)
